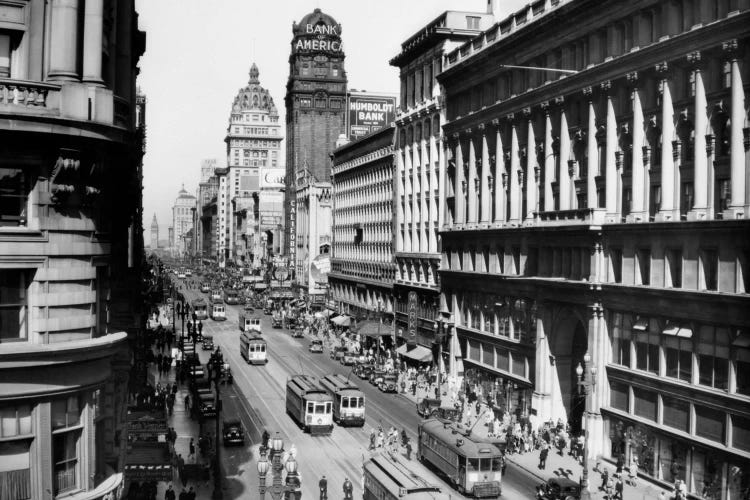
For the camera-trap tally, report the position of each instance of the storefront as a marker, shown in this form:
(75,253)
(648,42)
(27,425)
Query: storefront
(505,393)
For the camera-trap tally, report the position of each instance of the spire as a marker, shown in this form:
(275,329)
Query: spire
(254,74)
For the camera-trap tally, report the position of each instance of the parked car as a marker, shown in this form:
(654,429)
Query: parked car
(267,311)
(363,371)
(233,432)
(376,376)
(389,383)
(337,354)
(277,322)
(563,488)
(349,358)
(208,343)
(433,408)
(316,346)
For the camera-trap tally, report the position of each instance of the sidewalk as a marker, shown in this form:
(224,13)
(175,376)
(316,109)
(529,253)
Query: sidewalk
(567,466)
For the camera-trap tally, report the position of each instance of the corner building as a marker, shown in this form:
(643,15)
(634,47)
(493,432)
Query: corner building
(315,117)
(420,166)
(71,244)
(605,209)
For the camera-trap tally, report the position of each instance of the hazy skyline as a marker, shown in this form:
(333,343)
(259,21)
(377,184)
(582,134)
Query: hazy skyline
(198,55)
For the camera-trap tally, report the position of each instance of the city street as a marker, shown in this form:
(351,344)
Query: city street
(258,399)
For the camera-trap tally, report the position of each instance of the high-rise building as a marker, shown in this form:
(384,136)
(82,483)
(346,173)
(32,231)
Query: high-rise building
(183,216)
(315,117)
(71,241)
(154,233)
(597,225)
(253,140)
(420,170)
(207,191)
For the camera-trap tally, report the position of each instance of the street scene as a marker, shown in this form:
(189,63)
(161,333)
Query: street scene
(336,250)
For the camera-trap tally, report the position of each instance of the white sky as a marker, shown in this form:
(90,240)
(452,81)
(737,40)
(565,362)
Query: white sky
(198,54)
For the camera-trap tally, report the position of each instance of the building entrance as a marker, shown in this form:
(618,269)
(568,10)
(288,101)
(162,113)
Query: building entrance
(577,397)
(568,348)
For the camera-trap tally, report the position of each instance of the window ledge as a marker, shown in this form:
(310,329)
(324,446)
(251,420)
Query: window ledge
(21,233)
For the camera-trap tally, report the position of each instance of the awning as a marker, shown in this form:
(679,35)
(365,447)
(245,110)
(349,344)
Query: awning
(148,462)
(419,353)
(342,320)
(373,329)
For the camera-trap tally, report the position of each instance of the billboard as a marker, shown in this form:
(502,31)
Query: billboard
(368,113)
(272,178)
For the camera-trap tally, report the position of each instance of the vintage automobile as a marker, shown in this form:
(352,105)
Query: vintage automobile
(208,343)
(389,383)
(233,433)
(298,333)
(563,488)
(337,354)
(277,322)
(433,408)
(363,370)
(267,311)
(349,358)
(376,376)
(316,346)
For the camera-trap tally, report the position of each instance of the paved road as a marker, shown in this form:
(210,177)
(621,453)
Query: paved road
(257,397)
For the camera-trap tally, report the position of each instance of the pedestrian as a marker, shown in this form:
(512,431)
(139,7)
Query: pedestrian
(605,479)
(348,489)
(181,471)
(372,439)
(187,403)
(619,487)
(323,486)
(183,494)
(169,494)
(543,456)
(408,449)
(191,448)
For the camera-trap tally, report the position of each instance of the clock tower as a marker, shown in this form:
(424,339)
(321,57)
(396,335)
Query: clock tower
(315,109)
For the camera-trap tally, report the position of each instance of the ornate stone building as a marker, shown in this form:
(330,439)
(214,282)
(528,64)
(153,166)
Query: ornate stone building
(598,186)
(315,115)
(362,268)
(71,243)
(419,168)
(183,215)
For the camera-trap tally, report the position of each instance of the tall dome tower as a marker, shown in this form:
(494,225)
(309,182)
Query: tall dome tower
(154,233)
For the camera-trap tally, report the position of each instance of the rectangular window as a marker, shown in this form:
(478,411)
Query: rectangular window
(472,22)
(13,305)
(14,195)
(676,413)
(503,359)
(645,403)
(741,433)
(679,356)
(474,350)
(519,365)
(644,266)
(710,423)
(674,261)
(647,351)
(615,263)
(713,357)
(65,458)
(621,340)
(709,269)
(15,421)
(66,412)
(320,103)
(619,396)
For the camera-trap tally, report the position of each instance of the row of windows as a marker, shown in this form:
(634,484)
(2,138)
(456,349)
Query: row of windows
(247,153)
(499,358)
(320,102)
(255,131)
(247,117)
(254,143)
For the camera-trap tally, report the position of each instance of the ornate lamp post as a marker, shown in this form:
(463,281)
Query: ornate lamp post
(277,490)
(442,329)
(586,383)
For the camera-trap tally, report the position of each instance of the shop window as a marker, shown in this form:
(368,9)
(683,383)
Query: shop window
(741,433)
(679,357)
(621,340)
(672,460)
(705,475)
(13,304)
(710,423)
(713,357)
(676,413)
(619,396)
(644,403)
(65,459)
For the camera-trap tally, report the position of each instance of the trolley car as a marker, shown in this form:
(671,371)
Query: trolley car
(249,323)
(387,476)
(253,348)
(200,307)
(217,310)
(473,466)
(231,296)
(348,401)
(309,404)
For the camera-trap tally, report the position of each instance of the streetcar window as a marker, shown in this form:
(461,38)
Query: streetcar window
(328,407)
(320,408)
(345,402)
(497,464)
(473,464)
(485,464)
(361,402)
(310,407)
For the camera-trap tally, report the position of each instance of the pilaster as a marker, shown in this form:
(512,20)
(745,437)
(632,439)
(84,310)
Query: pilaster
(564,181)
(668,209)
(531,168)
(500,173)
(460,199)
(485,179)
(472,182)
(513,174)
(549,160)
(611,173)
(63,43)
(592,168)
(699,210)
(737,160)
(638,211)
(92,42)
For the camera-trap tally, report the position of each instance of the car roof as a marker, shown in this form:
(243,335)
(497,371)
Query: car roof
(232,422)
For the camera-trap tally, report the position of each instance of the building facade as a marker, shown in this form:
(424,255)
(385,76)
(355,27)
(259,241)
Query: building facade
(603,201)
(362,267)
(154,233)
(183,214)
(207,190)
(253,140)
(209,221)
(314,204)
(420,166)
(71,241)
(315,113)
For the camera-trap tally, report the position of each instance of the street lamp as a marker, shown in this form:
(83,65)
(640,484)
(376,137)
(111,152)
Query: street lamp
(586,383)
(278,490)
(442,327)
(217,493)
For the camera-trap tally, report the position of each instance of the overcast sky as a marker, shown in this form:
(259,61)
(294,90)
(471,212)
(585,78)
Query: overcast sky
(198,55)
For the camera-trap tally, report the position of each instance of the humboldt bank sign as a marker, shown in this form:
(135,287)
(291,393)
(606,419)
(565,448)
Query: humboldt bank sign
(320,37)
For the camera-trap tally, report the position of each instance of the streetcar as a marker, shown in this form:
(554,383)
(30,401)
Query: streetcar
(249,323)
(231,296)
(473,466)
(348,401)
(200,307)
(388,476)
(253,348)
(309,404)
(217,310)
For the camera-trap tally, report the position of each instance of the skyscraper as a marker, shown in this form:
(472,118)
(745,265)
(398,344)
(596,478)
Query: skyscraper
(154,233)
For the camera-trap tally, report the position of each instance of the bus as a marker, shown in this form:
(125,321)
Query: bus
(253,348)
(249,323)
(309,404)
(217,310)
(472,465)
(388,476)
(200,306)
(231,296)
(348,401)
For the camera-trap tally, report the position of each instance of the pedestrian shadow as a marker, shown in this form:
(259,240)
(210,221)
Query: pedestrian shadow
(560,472)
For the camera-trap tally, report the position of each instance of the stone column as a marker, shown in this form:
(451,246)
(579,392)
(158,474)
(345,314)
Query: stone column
(485,208)
(592,168)
(515,167)
(638,210)
(407,206)
(92,42)
(564,181)
(472,181)
(610,160)
(531,163)
(499,174)
(597,347)
(549,161)
(4,55)
(64,41)
(424,195)
(416,216)
(737,151)
(667,209)
(699,210)
(434,198)
(460,183)
(442,180)
(398,191)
